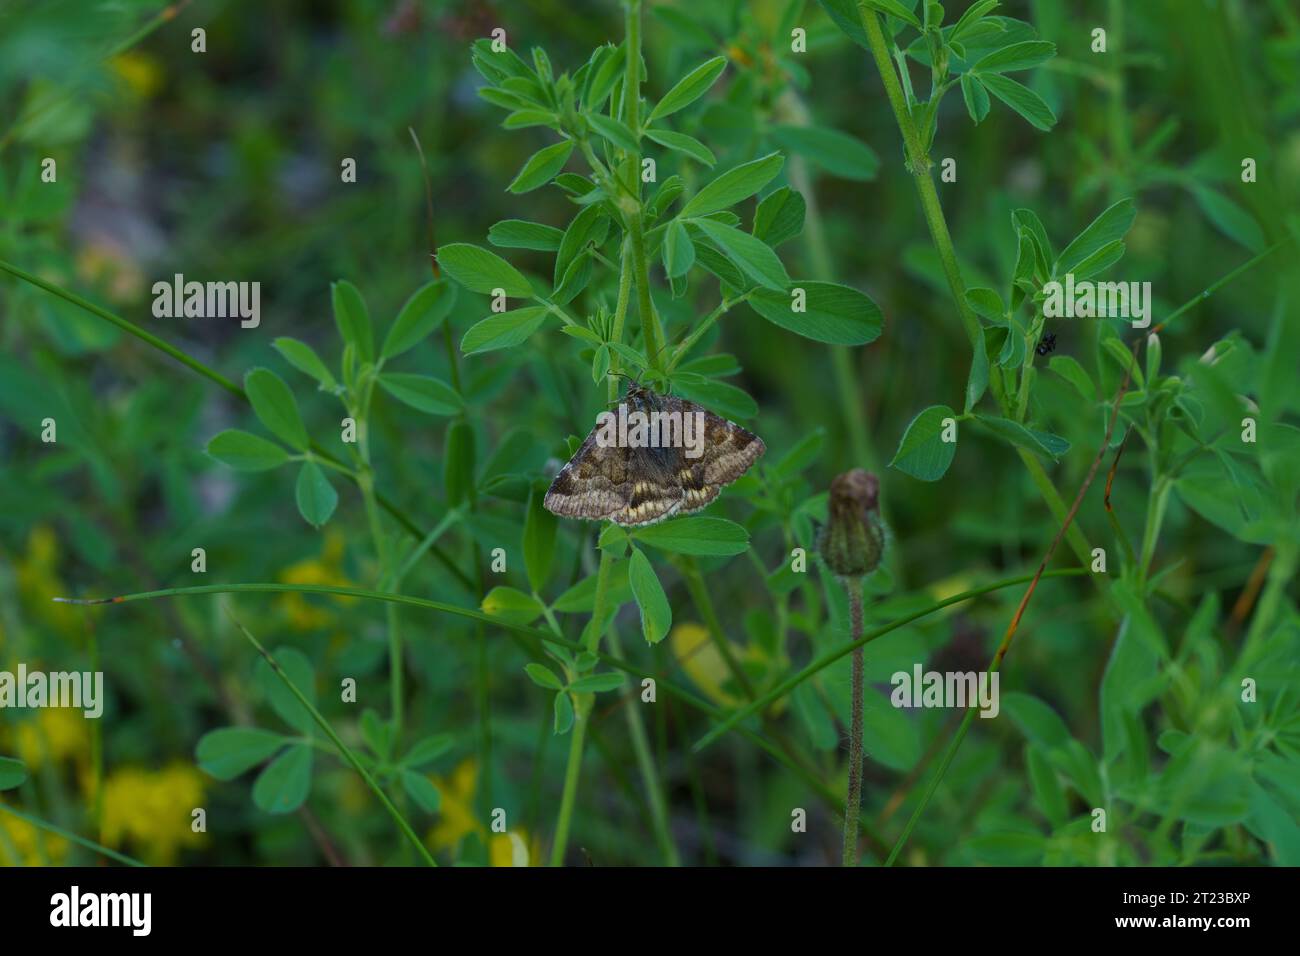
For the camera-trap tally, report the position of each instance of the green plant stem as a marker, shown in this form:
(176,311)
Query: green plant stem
(831,656)
(646,765)
(919,163)
(854,801)
(217,378)
(70,836)
(582,713)
(700,595)
(338,742)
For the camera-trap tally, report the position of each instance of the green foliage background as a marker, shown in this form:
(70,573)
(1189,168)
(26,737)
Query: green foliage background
(1122,693)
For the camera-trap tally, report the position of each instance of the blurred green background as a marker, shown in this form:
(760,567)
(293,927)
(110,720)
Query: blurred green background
(225,165)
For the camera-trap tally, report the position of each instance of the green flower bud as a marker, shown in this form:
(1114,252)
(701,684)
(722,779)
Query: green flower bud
(854,539)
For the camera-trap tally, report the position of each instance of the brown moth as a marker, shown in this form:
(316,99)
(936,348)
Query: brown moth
(641,485)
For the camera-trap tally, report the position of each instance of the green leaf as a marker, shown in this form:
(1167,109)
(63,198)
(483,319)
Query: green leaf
(614,131)
(479,270)
(316,497)
(563,712)
(283,786)
(511,604)
(521,234)
(1233,221)
(987,303)
(304,358)
(539,541)
(353,318)
(656,614)
(1036,720)
(1027,220)
(423,392)
(724,399)
(682,143)
(833,313)
(504,330)
(894,9)
(779,216)
(845,15)
(230,751)
(1048,794)
(245,451)
(596,683)
(678,250)
(972,16)
(12,773)
(922,453)
(1042,443)
(1016,56)
(1021,99)
(754,257)
(428,750)
(543,676)
(458,463)
(604,78)
(423,312)
(294,666)
(733,186)
(589,225)
(838,153)
(1069,369)
(695,535)
(275,407)
(689,89)
(421,789)
(978,379)
(1102,231)
(975,96)
(541,167)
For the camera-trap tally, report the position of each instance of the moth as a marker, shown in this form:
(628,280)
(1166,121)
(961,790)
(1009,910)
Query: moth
(632,483)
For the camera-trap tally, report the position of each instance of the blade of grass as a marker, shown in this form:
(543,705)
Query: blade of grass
(830,657)
(338,742)
(70,836)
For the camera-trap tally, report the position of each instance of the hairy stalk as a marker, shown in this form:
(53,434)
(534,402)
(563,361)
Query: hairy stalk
(338,742)
(854,801)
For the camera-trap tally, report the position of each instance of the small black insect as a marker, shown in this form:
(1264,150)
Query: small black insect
(1047,343)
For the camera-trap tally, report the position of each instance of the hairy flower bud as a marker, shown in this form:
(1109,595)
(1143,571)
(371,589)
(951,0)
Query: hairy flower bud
(854,539)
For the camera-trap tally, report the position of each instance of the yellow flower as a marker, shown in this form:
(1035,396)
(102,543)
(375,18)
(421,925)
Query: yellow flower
(700,659)
(457,820)
(152,809)
(32,845)
(55,734)
(142,73)
(327,569)
(39,582)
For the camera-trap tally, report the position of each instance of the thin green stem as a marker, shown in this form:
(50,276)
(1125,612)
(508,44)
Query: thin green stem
(646,765)
(217,378)
(831,656)
(338,742)
(70,836)
(854,801)
(919,162)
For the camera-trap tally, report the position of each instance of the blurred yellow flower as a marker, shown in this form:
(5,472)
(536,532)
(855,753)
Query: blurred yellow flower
(457,820)
(703,663)
(31,845)
(327,569)
(141,72)
(39,582)
(55,734)
(151,809)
